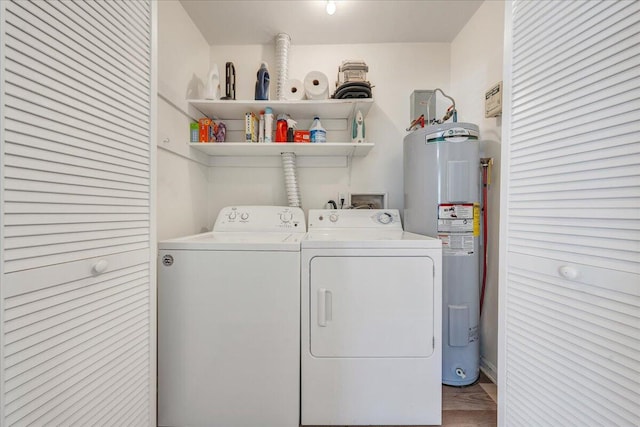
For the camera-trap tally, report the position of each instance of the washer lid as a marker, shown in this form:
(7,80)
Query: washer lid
(240,241)
(368,238)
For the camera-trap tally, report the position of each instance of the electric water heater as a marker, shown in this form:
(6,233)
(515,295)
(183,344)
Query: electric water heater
(441,199)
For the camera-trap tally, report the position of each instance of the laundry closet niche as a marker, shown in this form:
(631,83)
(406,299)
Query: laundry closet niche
(191,192)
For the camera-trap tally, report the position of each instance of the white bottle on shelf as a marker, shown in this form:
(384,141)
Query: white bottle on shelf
(317,132)
(261,127)
(268,124)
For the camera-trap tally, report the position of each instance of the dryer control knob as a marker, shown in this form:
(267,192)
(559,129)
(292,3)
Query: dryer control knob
(232,215)
(286,216)
(385,218)
(333,217)
(244,215)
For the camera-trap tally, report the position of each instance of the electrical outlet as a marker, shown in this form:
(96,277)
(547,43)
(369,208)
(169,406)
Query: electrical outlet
(342,201)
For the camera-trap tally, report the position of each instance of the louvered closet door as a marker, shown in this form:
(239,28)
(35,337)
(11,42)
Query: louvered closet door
(570,338)
(78,280)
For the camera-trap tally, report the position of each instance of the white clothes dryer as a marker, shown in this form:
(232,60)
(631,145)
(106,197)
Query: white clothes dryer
(371,321)
(229,321)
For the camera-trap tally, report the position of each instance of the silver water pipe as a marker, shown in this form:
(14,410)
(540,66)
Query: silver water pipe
(449,114)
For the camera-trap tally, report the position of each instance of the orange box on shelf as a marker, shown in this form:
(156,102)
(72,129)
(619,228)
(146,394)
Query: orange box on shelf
(205,129)
(301,136)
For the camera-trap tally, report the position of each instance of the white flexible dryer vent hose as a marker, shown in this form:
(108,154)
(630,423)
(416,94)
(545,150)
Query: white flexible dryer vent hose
(283,44)
(291,179)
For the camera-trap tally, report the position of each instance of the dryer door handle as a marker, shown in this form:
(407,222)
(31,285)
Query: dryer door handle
(324,306)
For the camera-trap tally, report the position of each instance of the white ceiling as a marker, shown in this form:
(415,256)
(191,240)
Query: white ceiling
(238,22)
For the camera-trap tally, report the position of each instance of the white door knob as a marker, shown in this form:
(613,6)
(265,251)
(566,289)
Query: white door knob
(568,272)
(101,266)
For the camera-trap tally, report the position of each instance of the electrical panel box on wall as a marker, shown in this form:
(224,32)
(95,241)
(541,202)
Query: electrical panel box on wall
(422,102)
(493,101)
(368,200)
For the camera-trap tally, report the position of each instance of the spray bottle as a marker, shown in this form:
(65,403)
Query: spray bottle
(291,126)
(281,128)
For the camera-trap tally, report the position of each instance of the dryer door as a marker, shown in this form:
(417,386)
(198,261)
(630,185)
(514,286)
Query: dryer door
(371,306)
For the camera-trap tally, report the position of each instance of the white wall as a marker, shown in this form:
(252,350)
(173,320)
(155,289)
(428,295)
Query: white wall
(476,65)
(183,61)
(395,70)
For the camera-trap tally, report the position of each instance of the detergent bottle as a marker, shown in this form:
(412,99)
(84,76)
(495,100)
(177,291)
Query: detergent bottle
(262,84)
(317,132)
(281,128)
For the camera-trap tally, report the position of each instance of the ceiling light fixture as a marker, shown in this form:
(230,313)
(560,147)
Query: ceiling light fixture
(331,7)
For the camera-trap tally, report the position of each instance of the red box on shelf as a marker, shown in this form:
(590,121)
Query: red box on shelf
(302,136)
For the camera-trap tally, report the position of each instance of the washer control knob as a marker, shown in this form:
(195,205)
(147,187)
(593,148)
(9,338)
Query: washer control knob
(244,215)
(333,217)
(232,215)
(385,218)
(286,216)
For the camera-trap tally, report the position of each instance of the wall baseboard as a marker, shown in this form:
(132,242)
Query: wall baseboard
(489,370)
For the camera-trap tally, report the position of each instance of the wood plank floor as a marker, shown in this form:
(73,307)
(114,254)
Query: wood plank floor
(471,406)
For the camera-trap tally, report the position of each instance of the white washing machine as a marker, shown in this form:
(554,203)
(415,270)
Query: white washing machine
(229,321)
(371,321)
